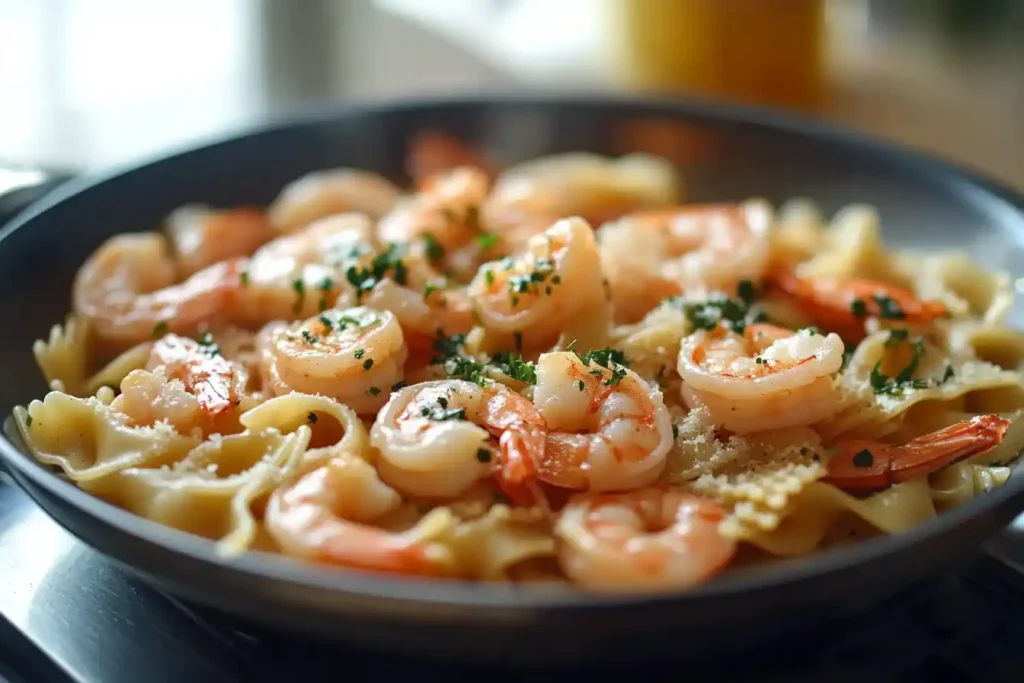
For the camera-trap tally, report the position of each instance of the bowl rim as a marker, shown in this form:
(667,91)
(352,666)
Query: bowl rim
(257,565)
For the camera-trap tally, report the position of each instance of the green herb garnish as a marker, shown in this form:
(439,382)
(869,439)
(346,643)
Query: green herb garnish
(433,249)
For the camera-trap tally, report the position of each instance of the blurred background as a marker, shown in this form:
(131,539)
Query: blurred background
(90,83)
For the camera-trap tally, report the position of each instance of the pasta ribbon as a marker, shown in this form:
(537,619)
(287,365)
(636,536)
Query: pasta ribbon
(214,490)
(335,428)
(90,441)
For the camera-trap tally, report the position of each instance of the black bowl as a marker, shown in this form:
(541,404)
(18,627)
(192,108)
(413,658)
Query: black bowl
(725,154)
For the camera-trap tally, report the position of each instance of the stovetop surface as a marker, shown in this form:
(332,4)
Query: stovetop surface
(69,614)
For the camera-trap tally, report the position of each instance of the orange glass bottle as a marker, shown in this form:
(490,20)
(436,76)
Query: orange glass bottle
(768,52)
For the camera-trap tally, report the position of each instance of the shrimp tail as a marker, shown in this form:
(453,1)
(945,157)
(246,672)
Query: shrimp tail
(518,452)
(865,465)
(842,304)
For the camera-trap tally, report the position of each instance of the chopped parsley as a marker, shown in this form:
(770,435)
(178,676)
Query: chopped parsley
(458,367)
(487,240)
(904,379)
(367,364)
(609,359)
(299,285)
(810,330)
(447,347)
(858,308)
(326,322)
(388,262)
(441,413)
(359,353)
(433,249)
(483,455)
(489,277)
(530,283)
(863,459)
(949,374)
(733,314)
(28,420)
(888,308)
(244,278)
(745,291)
(311,418)
(432,287)
(582,385)
(309,338)
(326,285)
(161,328)
(208,345)
(519,369)
(897,336)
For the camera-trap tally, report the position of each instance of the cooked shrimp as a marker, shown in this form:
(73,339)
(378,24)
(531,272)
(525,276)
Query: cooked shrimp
(305,272)
(766,378)
(202,236)
(126,290)
(148,397)
(596,188)
(218,384)
(844,304)
(424,302)
(320,194)
(537,295)
(325,516)
(434,152)
(442,221)
(434,438)
(656,254)
(652,538)
(354,355)
(608,429)
(868,465)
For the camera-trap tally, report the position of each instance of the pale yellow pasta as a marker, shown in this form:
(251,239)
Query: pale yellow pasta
(89,441)
(334,428)
(811,515)
(63,357)
(492,545)
(213,490)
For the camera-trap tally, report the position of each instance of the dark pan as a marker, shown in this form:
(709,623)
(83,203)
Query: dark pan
(725,154)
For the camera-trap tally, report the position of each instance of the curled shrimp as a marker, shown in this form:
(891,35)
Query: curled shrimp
(353,355)
(217,383)
(434,438)
(126,291)
(767,377)
(187,384)
(433,152)
(202,236)
(651,538)
(537,295)
(608,429)
(872,465)
(325,516)
(325,193)
(302,273)
(844,304)
(596,188)
(442,221)
(656,254)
